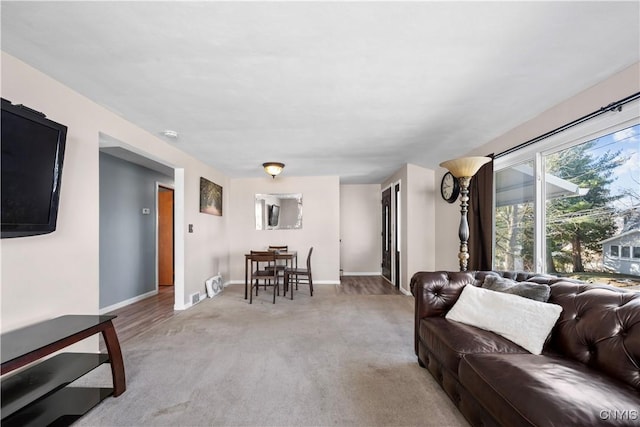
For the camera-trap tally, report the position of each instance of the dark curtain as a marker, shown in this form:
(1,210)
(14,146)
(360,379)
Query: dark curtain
(481,218)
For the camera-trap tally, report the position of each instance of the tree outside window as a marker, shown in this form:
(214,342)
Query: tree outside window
(591,194)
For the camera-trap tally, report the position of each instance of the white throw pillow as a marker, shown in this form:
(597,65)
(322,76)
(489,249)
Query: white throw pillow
(524,321)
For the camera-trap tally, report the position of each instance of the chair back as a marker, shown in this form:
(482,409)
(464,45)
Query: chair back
(283,248)
(258,257)
(309,259)
(269,274)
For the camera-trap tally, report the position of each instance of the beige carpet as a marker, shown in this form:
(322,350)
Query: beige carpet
(326,360)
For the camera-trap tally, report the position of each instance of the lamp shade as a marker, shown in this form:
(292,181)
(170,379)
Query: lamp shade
(273,168)
(465,166)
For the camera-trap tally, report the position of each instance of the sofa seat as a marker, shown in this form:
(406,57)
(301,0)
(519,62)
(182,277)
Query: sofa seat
(450,341)
(547,390)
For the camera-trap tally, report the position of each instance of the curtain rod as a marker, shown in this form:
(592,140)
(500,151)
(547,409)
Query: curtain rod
(614,106)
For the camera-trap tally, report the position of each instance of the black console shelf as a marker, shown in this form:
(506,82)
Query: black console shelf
(40,394)
(58,409)
(27,386)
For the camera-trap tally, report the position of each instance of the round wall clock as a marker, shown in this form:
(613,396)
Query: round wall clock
(449,187)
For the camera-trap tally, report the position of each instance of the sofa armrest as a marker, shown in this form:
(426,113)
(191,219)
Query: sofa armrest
(435,292)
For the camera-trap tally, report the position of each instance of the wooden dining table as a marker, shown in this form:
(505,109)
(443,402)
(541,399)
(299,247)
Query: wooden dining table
(291,258)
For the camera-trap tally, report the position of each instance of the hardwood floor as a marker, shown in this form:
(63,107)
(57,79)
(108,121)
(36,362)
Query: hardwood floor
(366,285)
(135,318)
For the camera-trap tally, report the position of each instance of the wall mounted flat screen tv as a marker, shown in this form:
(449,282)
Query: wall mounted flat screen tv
(274,215)
(32,158)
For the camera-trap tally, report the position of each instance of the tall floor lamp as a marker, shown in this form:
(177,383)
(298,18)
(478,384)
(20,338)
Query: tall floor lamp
(464,169)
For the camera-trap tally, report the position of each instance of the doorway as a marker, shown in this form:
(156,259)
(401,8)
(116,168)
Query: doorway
(166,238)
(386,234)
(396,235)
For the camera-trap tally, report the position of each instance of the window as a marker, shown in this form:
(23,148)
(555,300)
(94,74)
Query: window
(636,252)
(559,201)
(514,218)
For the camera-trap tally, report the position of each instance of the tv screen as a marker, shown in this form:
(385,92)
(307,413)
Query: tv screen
(274,214)
(32,156)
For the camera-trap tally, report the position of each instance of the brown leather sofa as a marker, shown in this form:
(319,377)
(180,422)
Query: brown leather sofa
(587,375)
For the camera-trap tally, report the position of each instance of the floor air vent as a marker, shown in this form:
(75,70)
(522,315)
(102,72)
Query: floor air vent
(195,298)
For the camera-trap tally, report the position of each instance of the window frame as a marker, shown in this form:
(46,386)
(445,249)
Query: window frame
(605,124)
(617,254)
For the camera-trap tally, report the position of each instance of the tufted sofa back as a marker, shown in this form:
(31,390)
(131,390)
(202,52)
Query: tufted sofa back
(600,327)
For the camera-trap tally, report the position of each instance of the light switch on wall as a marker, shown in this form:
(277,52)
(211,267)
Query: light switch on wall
(190,228)
(146,211)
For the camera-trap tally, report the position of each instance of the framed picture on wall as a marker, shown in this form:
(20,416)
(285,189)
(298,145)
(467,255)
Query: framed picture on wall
(210,197)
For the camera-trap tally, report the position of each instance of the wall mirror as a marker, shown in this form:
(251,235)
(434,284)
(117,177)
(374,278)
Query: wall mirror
(279,211)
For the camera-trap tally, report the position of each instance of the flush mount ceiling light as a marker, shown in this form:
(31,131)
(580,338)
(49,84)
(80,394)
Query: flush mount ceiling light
(273,168)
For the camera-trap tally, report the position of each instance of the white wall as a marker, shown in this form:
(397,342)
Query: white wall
(206,250)
(620,264)
(56,274)
(447,216)
(421,241)
(320,223)
(360,226)
(418,243)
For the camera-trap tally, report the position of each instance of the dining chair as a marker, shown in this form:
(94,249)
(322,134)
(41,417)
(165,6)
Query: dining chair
(263,269)
(281,264)
(299,275)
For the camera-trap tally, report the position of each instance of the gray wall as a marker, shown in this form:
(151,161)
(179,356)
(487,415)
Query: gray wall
(127,237)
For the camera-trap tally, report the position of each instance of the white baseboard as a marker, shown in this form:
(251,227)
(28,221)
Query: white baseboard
(315,282)
(181,307)
(201,296)
(127,302)
(362,273)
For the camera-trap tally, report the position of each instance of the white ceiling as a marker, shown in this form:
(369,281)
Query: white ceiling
(352,89)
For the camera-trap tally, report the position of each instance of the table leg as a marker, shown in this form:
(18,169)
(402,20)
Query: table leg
(115,359)
(246,277)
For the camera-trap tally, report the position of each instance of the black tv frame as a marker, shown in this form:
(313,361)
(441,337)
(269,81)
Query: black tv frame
(10,230)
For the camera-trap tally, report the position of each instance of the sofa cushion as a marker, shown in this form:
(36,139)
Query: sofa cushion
(521,320)
(449,341)
(535,291)
(523,389)
(600,327)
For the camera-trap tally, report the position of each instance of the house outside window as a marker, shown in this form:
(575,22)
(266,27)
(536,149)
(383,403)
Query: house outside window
(561,203)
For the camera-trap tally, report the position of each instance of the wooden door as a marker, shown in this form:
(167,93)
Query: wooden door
(386,233)
(165,237)
(396,238)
